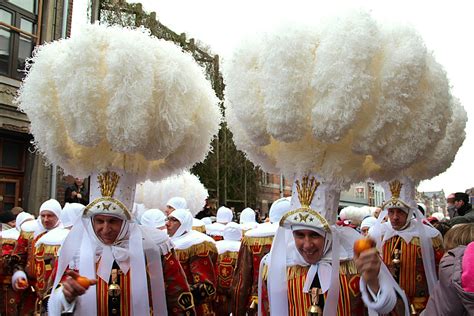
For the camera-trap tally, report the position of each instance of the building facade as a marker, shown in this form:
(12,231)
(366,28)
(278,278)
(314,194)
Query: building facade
(434,201)
(25,178)
(272,187)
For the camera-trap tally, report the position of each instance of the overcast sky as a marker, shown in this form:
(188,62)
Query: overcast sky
(445,26)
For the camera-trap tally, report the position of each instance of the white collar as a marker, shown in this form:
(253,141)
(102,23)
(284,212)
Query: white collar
(54,237)
(189,239)
(11,233)
(227,245)
(408,233)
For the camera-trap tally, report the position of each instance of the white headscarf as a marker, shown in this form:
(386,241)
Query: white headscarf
(368,222)
(50,205)
(224,215)
(154,218)
(278,208)
(177,203)
(232,231)
(21,218)
(185,218)
(70,213)
(247,216)
(231,242)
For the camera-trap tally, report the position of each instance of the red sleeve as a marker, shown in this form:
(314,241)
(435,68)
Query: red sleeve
(203,285)
(179,299)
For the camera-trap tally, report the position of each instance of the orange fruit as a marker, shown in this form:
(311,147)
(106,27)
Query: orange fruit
(83,281)
(22,283)
(363,244)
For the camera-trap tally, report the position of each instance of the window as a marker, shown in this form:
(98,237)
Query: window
(265,178)
(18,23)
(12,155)
(359,192)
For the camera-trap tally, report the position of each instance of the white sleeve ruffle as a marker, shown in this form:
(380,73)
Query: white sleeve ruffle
(58,304)
(385,300)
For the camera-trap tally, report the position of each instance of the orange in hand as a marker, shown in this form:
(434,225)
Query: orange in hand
(22,283)
(363,244)
(83,281)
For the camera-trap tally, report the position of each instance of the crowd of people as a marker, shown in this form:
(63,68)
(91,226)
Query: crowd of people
(294,263)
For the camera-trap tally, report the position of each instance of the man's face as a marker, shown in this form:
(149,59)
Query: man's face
(309,244)
(364,230)
(377,212)
(397,218)
(458,204)
(107,228)
(169,209)
(79,181)
(48,219)
(172,225)
(12,223)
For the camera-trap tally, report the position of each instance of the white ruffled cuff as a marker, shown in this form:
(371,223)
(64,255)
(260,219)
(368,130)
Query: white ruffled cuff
(58,304)
(384,301)
(16,276)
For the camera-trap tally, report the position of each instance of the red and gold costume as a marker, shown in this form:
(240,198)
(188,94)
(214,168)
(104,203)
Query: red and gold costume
(226,263)
(350,299)
(179,300)
(23,259)
(410,272)
(228,250)
(199,262)
(9,299)
(245,283)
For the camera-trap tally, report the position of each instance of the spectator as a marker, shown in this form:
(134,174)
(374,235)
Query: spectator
(450,207)
(463,208)
(7,219)
(77,193)
(16,210)
(454,293)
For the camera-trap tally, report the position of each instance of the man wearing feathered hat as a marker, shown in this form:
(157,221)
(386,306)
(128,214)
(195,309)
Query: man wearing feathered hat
(311,266)
(128,265)
(197,254)
(254,246)
(411,249)
(34,268)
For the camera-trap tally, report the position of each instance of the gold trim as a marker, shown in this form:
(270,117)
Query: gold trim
(310,211)
(107,199)
(8,241)
(395,188)
(108,182)
(348,267)
(50,250)
(257,241)
(201,229)
(185,254)
(293,272)
(306,190)
(228,254)
(265,272)
(27,235)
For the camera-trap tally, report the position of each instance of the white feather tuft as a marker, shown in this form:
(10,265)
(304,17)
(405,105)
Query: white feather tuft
(185,185)
(117,97)
(347,100)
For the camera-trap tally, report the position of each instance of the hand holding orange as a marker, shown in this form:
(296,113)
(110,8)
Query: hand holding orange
(22,283)
(83,281)
(363,244)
